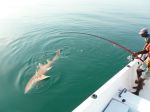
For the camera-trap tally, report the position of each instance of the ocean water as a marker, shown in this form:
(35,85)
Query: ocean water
(32,30)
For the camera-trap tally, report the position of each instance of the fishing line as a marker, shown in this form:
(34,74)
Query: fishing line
(110,41)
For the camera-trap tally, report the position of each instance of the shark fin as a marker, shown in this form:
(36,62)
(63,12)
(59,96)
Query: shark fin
(49,68)
(43,77)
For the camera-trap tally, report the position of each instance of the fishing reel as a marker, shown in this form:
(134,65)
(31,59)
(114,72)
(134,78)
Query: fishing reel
(130,58)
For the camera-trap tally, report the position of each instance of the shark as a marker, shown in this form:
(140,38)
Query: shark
(40,73)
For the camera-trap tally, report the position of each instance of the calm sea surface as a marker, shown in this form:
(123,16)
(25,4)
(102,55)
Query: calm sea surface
(32,30)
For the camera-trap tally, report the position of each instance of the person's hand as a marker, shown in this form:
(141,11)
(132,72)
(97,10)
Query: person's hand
(135,54)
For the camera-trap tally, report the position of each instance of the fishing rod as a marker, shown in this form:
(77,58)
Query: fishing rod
(110,41)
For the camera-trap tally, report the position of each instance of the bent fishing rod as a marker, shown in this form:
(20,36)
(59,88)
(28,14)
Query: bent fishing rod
(110,41)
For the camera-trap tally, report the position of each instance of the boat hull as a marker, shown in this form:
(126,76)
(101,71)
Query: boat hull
(100,99)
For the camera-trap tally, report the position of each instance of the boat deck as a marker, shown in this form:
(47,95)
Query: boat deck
(134,102)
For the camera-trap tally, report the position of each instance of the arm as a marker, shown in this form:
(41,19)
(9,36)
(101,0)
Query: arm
(140,52)
(145,46)
(147,42)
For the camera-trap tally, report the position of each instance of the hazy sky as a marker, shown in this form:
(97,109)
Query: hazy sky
(17,8)
(12,8)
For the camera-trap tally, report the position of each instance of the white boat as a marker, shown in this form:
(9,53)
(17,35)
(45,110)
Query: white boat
(116,96)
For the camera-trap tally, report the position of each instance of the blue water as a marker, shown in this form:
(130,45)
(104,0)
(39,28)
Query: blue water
(31,32)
